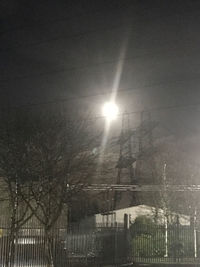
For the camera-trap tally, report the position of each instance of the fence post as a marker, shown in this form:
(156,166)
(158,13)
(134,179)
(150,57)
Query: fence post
(178,246)
(195,234)
(126,235)
(166,236)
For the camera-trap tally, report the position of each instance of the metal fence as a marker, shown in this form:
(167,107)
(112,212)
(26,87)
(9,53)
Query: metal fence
(99,246)
(72,246)
(171,243)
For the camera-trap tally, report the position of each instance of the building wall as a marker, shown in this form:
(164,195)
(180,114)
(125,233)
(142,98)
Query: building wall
(140,210)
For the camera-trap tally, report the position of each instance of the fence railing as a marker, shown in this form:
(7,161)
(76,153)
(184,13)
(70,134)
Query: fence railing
(158,243)
(63,247)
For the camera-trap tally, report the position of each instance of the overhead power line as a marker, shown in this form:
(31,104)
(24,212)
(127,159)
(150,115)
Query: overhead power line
(63,70)
(153,109)
(69,36)
(119,91)
(61,19)
(82,68)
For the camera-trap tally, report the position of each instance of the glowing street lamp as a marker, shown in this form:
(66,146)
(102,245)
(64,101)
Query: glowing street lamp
(110,111)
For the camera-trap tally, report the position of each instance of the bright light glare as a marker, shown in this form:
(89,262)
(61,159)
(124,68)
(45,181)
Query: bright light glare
(110,111)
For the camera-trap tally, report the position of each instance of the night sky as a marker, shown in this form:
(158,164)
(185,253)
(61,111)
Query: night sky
(56,50)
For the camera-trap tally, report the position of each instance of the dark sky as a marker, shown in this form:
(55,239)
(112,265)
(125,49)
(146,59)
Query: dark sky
(53,50)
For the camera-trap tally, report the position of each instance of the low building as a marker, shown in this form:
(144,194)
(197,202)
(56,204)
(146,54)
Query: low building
(116,217)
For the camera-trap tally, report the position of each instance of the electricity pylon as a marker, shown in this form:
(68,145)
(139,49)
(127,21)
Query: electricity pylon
(126,158)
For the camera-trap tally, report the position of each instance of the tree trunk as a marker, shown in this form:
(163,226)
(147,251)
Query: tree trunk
(10,257)
(48,246)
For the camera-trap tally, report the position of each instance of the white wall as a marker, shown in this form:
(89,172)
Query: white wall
(135,211)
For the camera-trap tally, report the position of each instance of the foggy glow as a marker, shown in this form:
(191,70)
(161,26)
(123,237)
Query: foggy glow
(110,111)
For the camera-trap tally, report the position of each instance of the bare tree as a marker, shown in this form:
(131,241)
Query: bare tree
(14,140)
(175,167)
(61,162)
